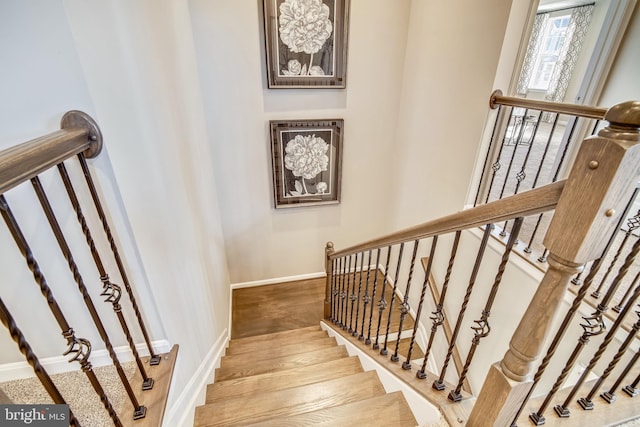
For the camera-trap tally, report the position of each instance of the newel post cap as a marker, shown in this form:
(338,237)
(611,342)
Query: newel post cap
(626,114)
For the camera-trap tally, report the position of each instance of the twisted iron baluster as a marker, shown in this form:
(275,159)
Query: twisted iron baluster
(382,304)
(439,383)
(334,290)
(621,303)
(483,328)
(352,296)
(139,410)
(633,223)
(345,315)
(67,332)
(632,389)
(16,334)
(513,156)
(110,290)
(537,417)
(343,265)
(486,159)
(406,365)
(366,299)
(563,410)
(437,317)
(497,165)
(373,298)
(154,359)
(404,308)
(610,395)
(586,402)
(384,351)
(357,302)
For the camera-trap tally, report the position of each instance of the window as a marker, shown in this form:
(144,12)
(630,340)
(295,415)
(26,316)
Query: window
(553,38)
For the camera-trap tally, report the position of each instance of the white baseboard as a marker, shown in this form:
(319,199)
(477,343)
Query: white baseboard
(182,410)
(277,280)
(60,364)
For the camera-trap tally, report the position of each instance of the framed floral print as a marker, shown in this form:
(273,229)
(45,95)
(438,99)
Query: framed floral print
(307,161)
(306,43)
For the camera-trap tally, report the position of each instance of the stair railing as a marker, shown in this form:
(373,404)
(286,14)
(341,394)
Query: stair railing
(78,137)
(589,207)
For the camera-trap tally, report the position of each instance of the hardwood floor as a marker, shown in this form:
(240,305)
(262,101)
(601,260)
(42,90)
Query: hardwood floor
(275,308)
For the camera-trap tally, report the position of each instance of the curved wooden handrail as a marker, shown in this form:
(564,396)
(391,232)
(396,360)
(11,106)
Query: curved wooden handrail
(24,161)
(531,202)
(553,107)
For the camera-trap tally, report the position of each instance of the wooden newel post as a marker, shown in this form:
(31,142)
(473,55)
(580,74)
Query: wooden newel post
(604,175)
(328,268)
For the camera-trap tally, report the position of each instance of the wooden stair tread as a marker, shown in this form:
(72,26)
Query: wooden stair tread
(245,346)
(291,401)
(277,349)
(389,410)
(274,336)
(231,369)
(279,380)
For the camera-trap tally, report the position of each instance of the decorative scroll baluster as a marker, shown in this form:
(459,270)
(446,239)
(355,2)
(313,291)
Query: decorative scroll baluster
(366,299)
(437,317)
(563,410)
(632,389)
(483,328)
(537,417)
(373,298)
(586,402)
(139,410)
(610,395)
(404,308)
(384,351)
(110,290)
(352,296)
(16,334)
(154,359)
(406,365)
(632,224)
(357,301)
(513,156)
(486,159)
(345,314)
(334,290)
(343,266)
(439,383)
(80,347)
(382,304)
(496,166)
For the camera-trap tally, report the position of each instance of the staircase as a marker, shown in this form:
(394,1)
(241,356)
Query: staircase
(296,378)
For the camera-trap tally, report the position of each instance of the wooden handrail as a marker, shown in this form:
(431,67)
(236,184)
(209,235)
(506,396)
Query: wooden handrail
(79,133)
(553,107)
(531,202)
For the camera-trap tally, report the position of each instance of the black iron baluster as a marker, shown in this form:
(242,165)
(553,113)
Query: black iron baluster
(352,296)
(154,359)
(406,365)
(384,351)
(345,315)
(437,317)
(587,402)
(334,289)
(439,383)
(513,156)
(79,347)
(610,395)
(496,166)
(139,410)
(563,410)
(110,290)
(343,266)
(622,301)
(632,389)
(482,328)
(366,299)
(486,159)
(373,297)
(633,223)
(404,307)
(382,304)
(357,302)
(16,334)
